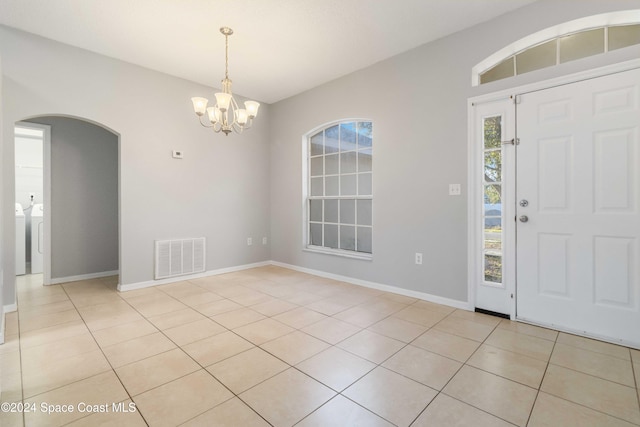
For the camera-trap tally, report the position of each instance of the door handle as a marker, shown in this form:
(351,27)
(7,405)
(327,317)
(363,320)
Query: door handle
(512,141)
(523,218)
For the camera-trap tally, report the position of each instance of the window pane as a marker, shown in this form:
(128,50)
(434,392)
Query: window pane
(331,236)
(364,239)
(493,209)
(493,234)
(316,166)
(364,184)
(500,71)
(347,136)
(348,162)
(316,186)
(331,184)
(364,212)
(347,238)
(331,210)
(364,160)
(581,45)
(541,56)
(493,268)
(364,134)
(493,245)
(492,194)
(623,36)
(315,210)
(347,211)
(492,132)
(348,185)
(331,164)
(316,144)
(491,227)
(331,141)
(493,166)
(316,234)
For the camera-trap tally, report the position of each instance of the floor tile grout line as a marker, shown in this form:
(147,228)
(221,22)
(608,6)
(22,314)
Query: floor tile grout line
(74,382)
(594,351)
(541,382)
(177,347)
(24,418)
(103,353)
(290,366)
(636,375)
(595,376)
(205,368)
(351,400)
(462,365)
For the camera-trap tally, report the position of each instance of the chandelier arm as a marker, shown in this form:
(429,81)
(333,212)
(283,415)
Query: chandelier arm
(237,128)
(204,123)
(248,125)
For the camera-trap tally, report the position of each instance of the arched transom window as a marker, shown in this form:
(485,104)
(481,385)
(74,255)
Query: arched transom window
(573,40)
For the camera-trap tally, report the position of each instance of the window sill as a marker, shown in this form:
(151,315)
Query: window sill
(339,253)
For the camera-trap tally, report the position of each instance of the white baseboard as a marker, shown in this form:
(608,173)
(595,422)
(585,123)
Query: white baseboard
(10,308)
(2,323)
(150,283)
(59,280)
(463,305)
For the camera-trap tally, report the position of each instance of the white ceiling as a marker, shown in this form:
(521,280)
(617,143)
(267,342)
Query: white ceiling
(280,47)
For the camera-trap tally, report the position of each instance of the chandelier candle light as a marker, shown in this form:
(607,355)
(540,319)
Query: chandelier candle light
(225,116)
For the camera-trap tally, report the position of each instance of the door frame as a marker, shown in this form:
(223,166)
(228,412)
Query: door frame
(46,188)
(474,179)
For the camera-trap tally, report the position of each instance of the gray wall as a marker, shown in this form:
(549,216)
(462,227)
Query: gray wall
(84,197)
(220,190)
(2,211)
(418,104)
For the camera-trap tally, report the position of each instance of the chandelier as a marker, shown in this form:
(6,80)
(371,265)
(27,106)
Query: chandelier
(225,116)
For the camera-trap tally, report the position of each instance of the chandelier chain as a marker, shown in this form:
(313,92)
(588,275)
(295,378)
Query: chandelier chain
(226,56)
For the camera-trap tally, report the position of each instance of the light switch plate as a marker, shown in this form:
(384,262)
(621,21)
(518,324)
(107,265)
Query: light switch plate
(177,154)
(455,189)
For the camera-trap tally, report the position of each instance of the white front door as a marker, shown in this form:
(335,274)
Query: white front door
(578,189)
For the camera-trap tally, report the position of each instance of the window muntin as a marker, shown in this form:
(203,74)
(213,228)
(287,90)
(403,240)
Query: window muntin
(339,201)
(562,48)
(492,212)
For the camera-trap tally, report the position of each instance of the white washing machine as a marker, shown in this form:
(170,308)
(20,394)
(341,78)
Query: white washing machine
(21,242)
(37,234)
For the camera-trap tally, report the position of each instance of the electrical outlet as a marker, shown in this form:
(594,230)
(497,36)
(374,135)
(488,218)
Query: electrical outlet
(418,258)
(249,241)
(454,189)
(264,240)
(177,154)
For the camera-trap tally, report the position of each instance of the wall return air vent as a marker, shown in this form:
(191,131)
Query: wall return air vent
(179,257)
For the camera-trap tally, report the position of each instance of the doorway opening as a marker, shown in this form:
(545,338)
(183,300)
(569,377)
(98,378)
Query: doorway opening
(31,141)
(71,168)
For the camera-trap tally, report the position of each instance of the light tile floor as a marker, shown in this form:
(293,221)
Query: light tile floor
(271,346)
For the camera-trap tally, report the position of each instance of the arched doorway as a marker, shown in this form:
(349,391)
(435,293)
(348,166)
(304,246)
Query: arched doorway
(78,234)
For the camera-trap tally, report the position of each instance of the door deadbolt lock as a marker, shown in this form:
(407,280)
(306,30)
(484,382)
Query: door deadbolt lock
(524,218)
(524,203)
